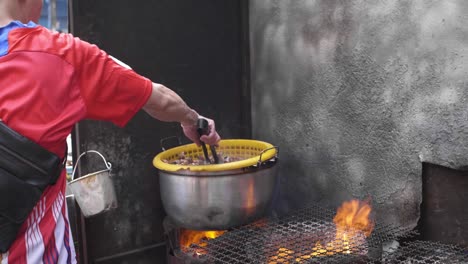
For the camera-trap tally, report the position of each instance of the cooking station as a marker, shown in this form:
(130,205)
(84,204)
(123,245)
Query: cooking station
(308,236)
(365,102)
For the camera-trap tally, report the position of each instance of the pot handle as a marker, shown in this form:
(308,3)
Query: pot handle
(108,164)
(161,142)
(265,150)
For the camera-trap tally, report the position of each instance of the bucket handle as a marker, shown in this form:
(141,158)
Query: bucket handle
(108,164)
(265,150)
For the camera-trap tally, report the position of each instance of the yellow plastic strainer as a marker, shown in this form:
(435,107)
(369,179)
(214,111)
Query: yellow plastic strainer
(251,151)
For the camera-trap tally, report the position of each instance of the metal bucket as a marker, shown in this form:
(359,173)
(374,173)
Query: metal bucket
(94,192)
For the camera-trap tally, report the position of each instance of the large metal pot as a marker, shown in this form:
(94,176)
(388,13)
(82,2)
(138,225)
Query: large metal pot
(219,196)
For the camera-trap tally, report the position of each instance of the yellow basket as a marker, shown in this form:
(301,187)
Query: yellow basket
(252,153)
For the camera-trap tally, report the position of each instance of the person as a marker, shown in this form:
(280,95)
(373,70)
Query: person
(51,81)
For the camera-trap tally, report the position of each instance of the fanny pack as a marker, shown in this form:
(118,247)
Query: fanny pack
(26,169)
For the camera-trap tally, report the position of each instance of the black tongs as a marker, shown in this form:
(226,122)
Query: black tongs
(202,129)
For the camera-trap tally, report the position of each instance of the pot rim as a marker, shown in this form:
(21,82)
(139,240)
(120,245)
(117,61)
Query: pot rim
(251,169)
(268,151)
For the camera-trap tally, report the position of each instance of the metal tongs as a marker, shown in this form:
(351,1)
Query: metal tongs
(202,129)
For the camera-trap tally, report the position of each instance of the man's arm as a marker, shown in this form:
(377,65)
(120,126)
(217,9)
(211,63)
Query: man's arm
(165,105)
(112,91)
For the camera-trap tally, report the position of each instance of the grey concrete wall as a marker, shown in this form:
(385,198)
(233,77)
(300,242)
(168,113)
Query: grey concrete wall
(357,94)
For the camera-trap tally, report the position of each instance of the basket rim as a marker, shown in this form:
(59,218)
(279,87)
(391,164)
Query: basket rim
(267,155)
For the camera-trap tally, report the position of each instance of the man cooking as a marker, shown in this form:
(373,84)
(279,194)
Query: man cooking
(49,82)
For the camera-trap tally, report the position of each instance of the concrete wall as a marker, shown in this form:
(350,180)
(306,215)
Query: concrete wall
(357,94)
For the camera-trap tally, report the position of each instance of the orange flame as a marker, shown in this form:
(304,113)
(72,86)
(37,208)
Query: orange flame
(352,226)
(353,216)
(189,237)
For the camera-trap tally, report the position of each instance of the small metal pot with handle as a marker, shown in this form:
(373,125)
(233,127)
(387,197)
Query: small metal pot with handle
(94,192)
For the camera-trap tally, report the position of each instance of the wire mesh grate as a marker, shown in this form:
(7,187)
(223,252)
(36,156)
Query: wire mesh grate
(306,236)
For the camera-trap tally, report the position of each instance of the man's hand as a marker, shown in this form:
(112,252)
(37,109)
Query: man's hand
(191,133)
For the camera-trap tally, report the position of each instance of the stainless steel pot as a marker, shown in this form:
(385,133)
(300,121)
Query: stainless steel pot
(218,196)
(218,200)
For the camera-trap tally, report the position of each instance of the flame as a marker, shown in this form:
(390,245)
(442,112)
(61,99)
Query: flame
(353,216)
(353,225)
(189,237)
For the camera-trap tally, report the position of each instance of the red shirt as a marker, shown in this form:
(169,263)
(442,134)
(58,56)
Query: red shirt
(48,83)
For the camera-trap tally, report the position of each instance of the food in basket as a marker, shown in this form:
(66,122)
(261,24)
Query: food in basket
(183,159)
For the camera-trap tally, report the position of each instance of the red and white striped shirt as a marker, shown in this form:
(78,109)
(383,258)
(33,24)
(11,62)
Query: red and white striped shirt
(45,237)
(49,82)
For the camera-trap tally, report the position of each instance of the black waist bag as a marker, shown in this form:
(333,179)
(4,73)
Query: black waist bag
(26,169)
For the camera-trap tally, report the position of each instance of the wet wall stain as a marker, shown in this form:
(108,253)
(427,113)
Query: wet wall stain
(357,94)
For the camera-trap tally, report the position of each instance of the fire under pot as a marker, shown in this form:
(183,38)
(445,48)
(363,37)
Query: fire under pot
(311,235)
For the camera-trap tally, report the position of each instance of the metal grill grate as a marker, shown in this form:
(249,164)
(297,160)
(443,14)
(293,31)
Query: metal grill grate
(426,252)
(307,236)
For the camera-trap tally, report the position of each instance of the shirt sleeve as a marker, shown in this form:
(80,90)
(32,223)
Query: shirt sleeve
(110,90)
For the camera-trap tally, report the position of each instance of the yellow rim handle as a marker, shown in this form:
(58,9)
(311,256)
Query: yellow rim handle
(259,163)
